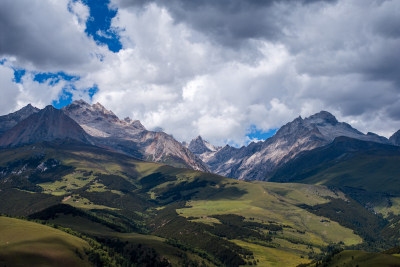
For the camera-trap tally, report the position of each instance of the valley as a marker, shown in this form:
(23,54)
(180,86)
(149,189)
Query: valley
(323,204)
(114,195)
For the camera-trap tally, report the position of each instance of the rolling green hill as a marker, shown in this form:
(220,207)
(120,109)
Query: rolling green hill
(152,212)
(23,242)
(349,258)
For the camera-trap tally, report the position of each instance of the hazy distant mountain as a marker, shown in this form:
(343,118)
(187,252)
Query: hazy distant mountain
(395,138)
(131,137)
(259,160)
(47,124)
(10,120)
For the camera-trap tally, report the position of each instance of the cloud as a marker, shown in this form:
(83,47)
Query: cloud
(228,22)
(9,89)
(332,42)
(45,34)
(218,68)
(175,71)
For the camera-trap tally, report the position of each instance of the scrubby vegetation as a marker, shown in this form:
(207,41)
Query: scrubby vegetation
(129,211)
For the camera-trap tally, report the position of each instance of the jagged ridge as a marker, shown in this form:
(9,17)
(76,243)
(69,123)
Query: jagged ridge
(47,124)
(258,160)
(12,119)
(131,137)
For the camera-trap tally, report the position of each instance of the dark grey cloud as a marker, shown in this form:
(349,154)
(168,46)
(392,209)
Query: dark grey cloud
(364,42)
(370,49)
(230,23)
(42,33)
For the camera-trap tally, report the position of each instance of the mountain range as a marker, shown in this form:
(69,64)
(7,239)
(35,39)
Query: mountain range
(94,124)
(88,173)
(258,161)
(131,137)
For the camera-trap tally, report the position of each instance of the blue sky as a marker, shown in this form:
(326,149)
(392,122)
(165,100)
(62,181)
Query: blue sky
(258,134)
(99,24)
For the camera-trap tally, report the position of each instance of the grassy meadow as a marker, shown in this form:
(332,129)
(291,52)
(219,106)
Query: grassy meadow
(170,215)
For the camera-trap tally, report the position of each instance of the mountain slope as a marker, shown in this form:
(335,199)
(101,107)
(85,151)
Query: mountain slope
(26,243)
(316,165)
(258,161)
(12,119)
(46,125)
(367,171)
(131,137)
(233,221)
(395,138)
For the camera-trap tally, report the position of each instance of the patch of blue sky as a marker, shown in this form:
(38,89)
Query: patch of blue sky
(64,99)
(18,74)
(99,24)
(54,78)
(255,134)
(67,95)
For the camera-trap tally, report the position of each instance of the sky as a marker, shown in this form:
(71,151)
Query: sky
(232,71)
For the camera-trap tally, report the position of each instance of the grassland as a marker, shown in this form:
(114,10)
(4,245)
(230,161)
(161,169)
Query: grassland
(349,258)
(23,242)
(162,207)
(303,233)
(98,230)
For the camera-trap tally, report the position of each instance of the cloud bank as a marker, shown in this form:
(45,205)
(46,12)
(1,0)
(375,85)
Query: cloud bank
(215,68)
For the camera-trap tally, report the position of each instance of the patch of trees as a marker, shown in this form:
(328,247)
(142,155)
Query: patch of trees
(352,215)
(115,182)
(200,238)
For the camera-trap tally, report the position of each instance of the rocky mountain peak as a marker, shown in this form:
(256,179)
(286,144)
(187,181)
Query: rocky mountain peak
(323,125)
(135,123)
(12,119)
(138,125)
(322,117)
(47,124)
(258,160)
(100,108)
(200,146)
(83,113)
(28,109)
(80,102)
(130,136)
(395,138)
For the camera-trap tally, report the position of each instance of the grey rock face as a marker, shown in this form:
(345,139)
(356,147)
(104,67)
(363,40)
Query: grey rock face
(12,119)
(259,160)
(395,138)
(200,146)
(131,137)
(46,125)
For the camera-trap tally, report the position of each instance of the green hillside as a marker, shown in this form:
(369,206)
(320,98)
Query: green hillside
(170,215)
(349,258)
(25,243)
(369,172)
